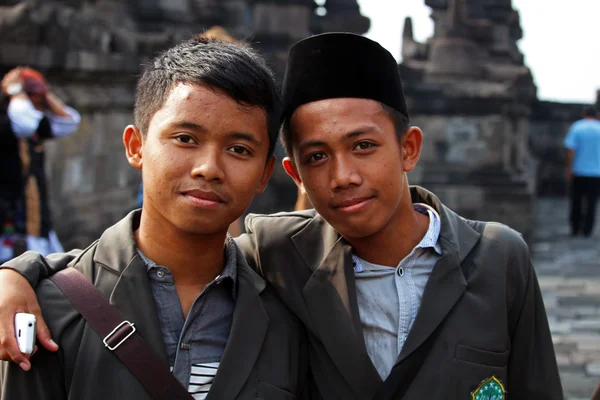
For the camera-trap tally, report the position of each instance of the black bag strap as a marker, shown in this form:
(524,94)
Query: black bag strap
(119,336)
(402,375)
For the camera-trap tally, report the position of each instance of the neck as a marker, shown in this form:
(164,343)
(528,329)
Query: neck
(396,240)
(194,260)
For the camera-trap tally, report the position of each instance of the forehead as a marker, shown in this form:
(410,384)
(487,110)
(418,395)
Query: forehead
(208,106)
(339,114)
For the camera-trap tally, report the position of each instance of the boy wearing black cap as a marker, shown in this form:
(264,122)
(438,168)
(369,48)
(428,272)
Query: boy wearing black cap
(402,298)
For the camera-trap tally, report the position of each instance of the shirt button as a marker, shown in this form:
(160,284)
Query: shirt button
(401,271)
(185,346)
(160,274)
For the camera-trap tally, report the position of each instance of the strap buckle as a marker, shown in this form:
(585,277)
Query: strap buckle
(108,337)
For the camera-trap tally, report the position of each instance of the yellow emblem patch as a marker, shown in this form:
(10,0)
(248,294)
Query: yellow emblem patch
(489,389)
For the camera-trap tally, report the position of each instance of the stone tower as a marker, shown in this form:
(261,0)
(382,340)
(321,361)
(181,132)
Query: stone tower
(470,92)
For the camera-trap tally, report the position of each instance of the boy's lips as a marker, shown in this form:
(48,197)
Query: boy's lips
(352,204)
(203,198)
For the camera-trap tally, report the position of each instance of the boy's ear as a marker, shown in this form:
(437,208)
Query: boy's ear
(412,143)
(132,140)
(290,168)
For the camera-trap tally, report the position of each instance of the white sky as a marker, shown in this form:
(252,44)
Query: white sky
(561,40)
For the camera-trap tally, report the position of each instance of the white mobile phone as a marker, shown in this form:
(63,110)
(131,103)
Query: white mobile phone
(25,331)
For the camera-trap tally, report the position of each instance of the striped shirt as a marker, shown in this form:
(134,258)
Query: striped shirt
(195,344)
(201,379)
(389,297)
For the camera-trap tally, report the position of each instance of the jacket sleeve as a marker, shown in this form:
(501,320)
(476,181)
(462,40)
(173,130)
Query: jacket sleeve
(42,382)
(35,267)
(532,369)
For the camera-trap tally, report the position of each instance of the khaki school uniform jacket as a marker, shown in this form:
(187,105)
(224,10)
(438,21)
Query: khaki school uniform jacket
(265,357)
(482,302)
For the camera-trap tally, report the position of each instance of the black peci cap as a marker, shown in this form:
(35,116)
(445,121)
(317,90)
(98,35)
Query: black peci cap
(335,65)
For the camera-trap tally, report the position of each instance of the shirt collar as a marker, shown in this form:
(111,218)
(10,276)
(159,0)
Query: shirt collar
(430,240)
(229,271)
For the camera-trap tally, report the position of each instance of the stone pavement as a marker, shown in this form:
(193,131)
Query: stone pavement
(569,274)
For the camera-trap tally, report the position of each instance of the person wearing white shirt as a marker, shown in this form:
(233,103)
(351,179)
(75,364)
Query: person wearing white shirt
(33,115)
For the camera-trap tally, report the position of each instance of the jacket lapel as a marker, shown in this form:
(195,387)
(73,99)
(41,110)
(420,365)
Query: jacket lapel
(248,330)
(330,295)
(117,258)
(447,282)
(444,287)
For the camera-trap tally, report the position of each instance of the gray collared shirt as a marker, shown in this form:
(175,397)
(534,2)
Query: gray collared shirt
(195,344)
(389,298)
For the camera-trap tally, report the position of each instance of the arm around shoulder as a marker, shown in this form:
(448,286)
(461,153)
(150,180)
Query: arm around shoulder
(35,267)
(18,296)
(46,377)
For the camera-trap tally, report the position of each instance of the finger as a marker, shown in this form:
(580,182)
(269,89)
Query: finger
(9,344)
(43,332)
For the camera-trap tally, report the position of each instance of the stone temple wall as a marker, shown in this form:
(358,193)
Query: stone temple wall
(91,51)
(470,164)
(469,90)
(483,124)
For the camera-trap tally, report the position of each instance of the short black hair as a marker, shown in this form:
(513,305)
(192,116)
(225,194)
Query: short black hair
(589,112)
(399,120)
(233,68)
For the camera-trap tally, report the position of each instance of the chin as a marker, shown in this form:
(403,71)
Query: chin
(357,230)
(201,226)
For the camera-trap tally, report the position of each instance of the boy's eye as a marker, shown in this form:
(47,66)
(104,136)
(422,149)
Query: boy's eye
(365,145)
(185,139)
(316,157)
(239,150)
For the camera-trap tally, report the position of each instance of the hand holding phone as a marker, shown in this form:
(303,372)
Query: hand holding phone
(25,331)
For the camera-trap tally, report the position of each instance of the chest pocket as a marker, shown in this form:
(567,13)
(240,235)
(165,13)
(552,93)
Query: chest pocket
(270,392)
(481,357)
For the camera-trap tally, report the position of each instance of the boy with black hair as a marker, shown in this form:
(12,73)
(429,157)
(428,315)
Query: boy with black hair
(402,297)
(204,111)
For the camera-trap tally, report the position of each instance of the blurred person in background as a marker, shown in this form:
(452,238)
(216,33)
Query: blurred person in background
(31,115)
(583,171)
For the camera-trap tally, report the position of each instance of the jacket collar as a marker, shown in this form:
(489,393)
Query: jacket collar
(330,292)
(248,331)
(131,294)
(456,235)
(117,252)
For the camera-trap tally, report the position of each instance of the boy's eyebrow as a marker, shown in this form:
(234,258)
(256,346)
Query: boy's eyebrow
(201,129)
(363,130)
(307,144)
(188,125)
(348,136)
(244,136)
